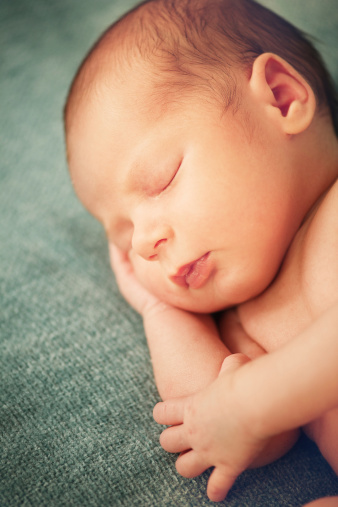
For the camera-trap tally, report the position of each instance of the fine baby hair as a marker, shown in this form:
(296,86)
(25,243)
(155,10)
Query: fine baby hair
(194,44)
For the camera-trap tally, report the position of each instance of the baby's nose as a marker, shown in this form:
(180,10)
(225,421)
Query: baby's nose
(148,245)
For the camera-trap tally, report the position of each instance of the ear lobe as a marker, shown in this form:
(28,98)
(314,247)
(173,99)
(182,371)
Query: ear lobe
(288,97)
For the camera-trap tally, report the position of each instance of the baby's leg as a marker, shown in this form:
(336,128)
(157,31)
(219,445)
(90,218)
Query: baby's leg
(324,432)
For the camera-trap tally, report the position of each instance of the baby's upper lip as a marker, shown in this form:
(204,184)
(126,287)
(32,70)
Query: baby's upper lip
(184,270)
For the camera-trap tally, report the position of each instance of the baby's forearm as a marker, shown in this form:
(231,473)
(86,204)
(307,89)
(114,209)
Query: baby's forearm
(185,349)
(295,384)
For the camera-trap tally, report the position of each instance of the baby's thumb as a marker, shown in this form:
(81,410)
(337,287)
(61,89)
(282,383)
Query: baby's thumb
(233,362)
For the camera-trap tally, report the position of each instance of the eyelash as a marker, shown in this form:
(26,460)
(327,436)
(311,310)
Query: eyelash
(172,178)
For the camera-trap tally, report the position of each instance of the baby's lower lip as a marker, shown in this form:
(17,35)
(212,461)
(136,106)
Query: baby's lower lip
(195,274)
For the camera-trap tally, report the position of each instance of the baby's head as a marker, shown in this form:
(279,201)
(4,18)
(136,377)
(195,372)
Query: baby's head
(188,128)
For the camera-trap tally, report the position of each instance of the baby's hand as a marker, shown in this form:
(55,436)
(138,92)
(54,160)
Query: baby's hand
(211,428)
(131,289)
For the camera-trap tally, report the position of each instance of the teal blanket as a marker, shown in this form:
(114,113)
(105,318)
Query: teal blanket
(76,384)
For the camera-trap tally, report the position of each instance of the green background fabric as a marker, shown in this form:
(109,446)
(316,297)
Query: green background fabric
(76,385)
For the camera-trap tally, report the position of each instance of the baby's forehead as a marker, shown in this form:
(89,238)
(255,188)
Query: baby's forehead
(134,49)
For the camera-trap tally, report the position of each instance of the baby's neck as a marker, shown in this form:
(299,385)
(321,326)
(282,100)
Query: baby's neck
(317,158)
(313,209)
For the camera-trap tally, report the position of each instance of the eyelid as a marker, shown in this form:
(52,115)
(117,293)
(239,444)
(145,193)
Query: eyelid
(173,177)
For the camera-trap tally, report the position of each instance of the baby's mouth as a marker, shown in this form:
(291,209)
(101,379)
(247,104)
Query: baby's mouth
(195,274)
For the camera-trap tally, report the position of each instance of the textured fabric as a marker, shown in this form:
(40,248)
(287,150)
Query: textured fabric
(76,385)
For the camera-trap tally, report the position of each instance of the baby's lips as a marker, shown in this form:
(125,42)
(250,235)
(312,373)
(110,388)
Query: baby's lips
(179,280)
(194,274)
(199,272)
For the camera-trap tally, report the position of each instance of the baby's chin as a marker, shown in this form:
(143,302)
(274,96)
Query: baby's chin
(194,304)
(196,301)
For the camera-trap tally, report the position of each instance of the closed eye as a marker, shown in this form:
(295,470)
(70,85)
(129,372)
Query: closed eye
(173,177)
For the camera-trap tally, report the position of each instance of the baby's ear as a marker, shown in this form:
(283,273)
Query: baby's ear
(288,97)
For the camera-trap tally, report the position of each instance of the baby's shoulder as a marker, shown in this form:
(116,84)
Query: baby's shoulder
(319,259)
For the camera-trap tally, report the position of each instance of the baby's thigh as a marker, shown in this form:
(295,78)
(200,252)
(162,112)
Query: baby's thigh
(324,431)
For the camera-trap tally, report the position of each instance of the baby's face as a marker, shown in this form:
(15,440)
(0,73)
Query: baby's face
(203,203)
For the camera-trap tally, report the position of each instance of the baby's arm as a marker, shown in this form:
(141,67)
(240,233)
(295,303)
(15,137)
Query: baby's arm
(228,424)
(185,348)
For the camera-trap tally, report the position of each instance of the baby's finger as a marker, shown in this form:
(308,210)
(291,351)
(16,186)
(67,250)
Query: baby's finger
(219,484)
(189,464)
(173,439)
(169,412)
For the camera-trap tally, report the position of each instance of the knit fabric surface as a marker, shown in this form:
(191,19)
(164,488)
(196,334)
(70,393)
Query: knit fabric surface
(76,383)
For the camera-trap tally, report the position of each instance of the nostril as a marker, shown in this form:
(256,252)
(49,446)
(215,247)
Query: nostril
(158,243)
(153,257)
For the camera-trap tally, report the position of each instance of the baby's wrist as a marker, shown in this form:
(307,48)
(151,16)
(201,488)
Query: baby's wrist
(249,399)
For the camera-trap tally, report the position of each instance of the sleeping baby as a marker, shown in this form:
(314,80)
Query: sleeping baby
(202,135)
